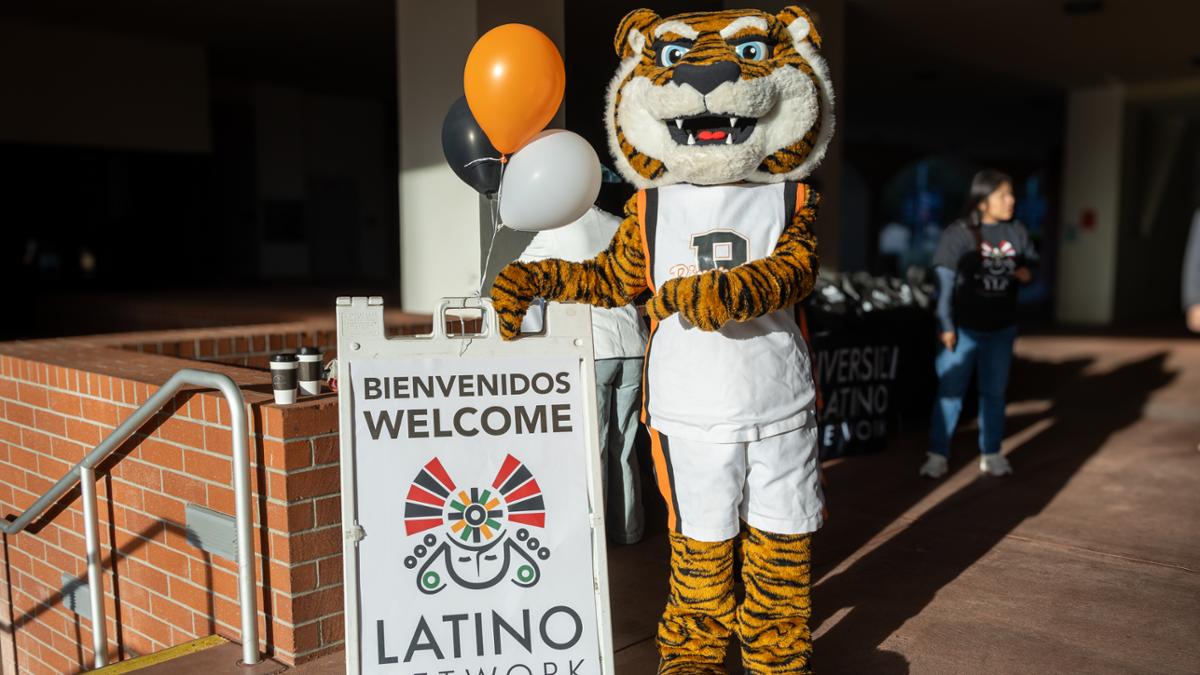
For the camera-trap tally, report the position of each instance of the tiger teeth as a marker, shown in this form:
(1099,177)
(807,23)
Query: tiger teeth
(729,139)
(691,139)
(733,121)
(678,122)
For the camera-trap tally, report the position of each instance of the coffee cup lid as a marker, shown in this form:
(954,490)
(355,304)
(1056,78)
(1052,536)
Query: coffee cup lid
(310,351)
(283,358)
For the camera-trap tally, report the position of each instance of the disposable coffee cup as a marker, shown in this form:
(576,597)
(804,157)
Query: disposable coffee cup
(283,377)
(310,371)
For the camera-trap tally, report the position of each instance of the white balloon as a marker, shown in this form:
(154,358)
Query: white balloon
(551,181)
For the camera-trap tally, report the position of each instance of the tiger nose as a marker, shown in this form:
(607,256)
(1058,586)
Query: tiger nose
(707,77)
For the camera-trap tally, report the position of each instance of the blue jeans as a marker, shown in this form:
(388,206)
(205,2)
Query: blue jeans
(991,352)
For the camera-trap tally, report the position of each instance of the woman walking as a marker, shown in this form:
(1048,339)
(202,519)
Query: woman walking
(980,261)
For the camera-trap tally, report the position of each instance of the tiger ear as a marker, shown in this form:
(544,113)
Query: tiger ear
(800,25)
(632,32)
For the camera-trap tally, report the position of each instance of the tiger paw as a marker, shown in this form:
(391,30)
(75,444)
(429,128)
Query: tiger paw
(660,306)
(697,299)
(512,292)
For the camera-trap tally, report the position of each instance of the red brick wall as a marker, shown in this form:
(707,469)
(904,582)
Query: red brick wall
(244,346)
(252,350)
(60,398)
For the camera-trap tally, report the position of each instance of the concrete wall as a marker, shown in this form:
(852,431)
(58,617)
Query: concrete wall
(66,86)
(1092,166)
(344,150)
(1160,195)
(1131,159)
(321,175)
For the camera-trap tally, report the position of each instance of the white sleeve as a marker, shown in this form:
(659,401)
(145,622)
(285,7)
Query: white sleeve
(540,248)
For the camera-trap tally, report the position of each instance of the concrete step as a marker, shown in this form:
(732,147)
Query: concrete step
(210,655)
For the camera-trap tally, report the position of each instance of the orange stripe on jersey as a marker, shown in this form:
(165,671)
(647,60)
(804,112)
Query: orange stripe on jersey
(662,474)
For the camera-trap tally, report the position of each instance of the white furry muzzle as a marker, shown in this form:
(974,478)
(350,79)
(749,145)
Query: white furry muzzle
(722,137)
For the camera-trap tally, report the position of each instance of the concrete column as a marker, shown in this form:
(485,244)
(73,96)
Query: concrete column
(439,214)
(1087,264)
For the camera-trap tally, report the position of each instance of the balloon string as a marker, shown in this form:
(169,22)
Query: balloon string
(484,159)
(487,261)
(494,207)
(499,193)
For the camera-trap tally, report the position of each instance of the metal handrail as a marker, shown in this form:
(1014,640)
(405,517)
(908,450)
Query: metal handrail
(84,474)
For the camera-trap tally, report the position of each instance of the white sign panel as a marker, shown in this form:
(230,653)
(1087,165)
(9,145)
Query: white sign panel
(472,492)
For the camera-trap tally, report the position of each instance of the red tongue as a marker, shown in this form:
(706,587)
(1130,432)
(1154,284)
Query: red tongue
(710,135)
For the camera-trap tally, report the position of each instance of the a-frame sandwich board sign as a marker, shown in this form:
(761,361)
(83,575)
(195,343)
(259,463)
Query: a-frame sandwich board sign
(471,497)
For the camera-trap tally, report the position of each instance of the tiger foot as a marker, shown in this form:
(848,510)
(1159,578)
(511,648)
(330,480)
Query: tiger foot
(772,620)
(677,667)
(696,623)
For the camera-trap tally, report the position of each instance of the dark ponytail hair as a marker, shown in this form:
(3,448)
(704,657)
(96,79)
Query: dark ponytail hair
(982,185)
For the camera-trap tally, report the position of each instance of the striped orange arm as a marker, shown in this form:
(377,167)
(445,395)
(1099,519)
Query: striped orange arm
(711,299)
(613,278)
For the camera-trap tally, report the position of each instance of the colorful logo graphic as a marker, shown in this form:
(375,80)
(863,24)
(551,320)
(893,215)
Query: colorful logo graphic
(999,261)
(466,529)
(998,252)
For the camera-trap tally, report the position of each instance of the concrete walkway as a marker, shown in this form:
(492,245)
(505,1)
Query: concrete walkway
(1087,560)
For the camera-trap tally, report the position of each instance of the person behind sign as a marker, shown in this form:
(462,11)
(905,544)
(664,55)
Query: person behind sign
(620,343)
(1191,276)
(980,261)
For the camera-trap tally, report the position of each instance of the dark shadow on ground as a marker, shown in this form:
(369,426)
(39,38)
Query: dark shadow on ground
(865,494)
(894,582)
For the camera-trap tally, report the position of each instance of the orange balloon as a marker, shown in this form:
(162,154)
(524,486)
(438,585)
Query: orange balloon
(514,83)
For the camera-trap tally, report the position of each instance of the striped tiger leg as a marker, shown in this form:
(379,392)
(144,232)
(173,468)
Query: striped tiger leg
(772,621)
(698,620)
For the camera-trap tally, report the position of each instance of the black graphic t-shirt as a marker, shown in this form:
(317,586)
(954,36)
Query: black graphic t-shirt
(984,259)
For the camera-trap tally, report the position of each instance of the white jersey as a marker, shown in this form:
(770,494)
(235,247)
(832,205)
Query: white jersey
(748,380)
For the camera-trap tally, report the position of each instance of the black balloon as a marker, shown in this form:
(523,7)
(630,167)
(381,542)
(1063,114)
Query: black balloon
(468,151)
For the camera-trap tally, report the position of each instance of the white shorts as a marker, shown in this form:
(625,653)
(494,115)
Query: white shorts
(773,484)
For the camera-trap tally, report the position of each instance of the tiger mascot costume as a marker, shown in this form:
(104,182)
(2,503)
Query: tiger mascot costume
(716,117)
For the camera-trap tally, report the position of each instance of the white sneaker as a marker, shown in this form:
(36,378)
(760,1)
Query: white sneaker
(994,465)
(935,466)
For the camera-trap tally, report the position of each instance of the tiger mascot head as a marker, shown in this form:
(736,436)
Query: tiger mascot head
(718,97)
